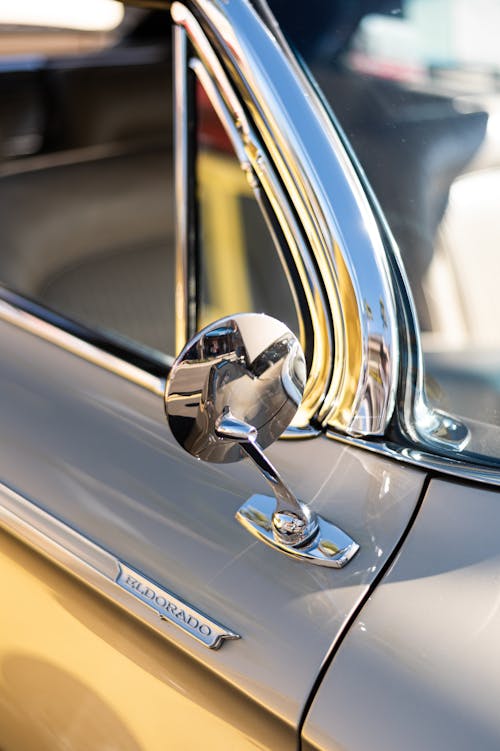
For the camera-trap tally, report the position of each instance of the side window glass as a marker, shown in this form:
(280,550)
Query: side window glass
(86,198)
(240,269)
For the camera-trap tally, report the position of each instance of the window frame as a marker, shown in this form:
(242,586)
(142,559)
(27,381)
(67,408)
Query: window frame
(282,125)
(193,55)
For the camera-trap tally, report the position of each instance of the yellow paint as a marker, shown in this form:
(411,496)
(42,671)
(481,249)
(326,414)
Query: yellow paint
(343,395)
(77,673)
(221,184)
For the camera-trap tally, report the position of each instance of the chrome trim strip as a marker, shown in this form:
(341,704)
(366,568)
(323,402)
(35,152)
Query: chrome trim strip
(371,309)
(313,308)
(359,393)
(418,420)
(293,433)
(33,324)
(220,108)
(98,568)
(456,468)
(329,546)
(181,168)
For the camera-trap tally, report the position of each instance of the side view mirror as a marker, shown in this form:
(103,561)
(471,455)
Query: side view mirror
(232,391)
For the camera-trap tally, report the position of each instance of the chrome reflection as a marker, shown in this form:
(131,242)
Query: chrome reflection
(330,546)
(362,279)
(357,394)
(231,392)
(138,595)
(311,303)
(239,380)
(101,349)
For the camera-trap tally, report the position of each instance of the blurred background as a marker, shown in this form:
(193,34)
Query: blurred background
(28,26)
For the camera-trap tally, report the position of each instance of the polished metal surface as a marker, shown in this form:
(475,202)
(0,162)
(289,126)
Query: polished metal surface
(293,523)
(231,392)
(170,608)
(422,423)
(295,433)
(316,333)
(14,310)
(425,426)
(330,546)
(357,395)
(103,571)
(242,371)
(362,277)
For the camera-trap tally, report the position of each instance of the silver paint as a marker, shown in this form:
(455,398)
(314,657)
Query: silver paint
(97,567)
(329,545)
(330,203)
(95,451)
(420,667)
(14,314)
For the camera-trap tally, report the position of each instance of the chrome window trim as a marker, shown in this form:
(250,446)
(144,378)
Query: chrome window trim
(369,299)
(356,392)
(313,311)
(42,325)
(141,366)
(260,177)
(414,419)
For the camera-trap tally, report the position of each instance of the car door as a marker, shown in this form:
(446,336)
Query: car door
(93,479)
(419,666)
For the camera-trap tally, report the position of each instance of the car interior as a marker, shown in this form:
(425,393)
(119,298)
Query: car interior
(86,204)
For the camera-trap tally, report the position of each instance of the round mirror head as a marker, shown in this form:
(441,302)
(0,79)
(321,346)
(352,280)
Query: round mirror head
(239,379)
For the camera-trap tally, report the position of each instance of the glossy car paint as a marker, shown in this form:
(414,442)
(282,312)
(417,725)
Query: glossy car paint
(78,673)
(421,666)
(95,450)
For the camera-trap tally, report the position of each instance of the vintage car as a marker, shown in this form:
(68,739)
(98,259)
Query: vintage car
(223,223)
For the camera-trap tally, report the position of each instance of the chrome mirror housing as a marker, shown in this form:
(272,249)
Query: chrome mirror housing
(246,370)
(232,391)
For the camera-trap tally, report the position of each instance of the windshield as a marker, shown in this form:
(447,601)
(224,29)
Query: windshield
(415,85)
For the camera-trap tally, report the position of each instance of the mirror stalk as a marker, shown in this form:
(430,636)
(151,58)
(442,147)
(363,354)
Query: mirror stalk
(293,522)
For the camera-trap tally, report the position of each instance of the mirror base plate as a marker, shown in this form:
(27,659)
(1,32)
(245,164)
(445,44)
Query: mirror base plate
(329,547)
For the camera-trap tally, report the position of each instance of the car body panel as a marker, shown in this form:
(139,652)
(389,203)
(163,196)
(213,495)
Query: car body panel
(420,667)
(76,672)
(94,450)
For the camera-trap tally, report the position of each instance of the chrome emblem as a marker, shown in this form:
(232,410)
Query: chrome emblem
(174,610)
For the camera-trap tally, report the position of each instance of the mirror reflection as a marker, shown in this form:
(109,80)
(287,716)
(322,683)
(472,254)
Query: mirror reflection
(240,379)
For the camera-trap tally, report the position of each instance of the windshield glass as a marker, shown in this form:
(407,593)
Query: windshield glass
(415,85)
